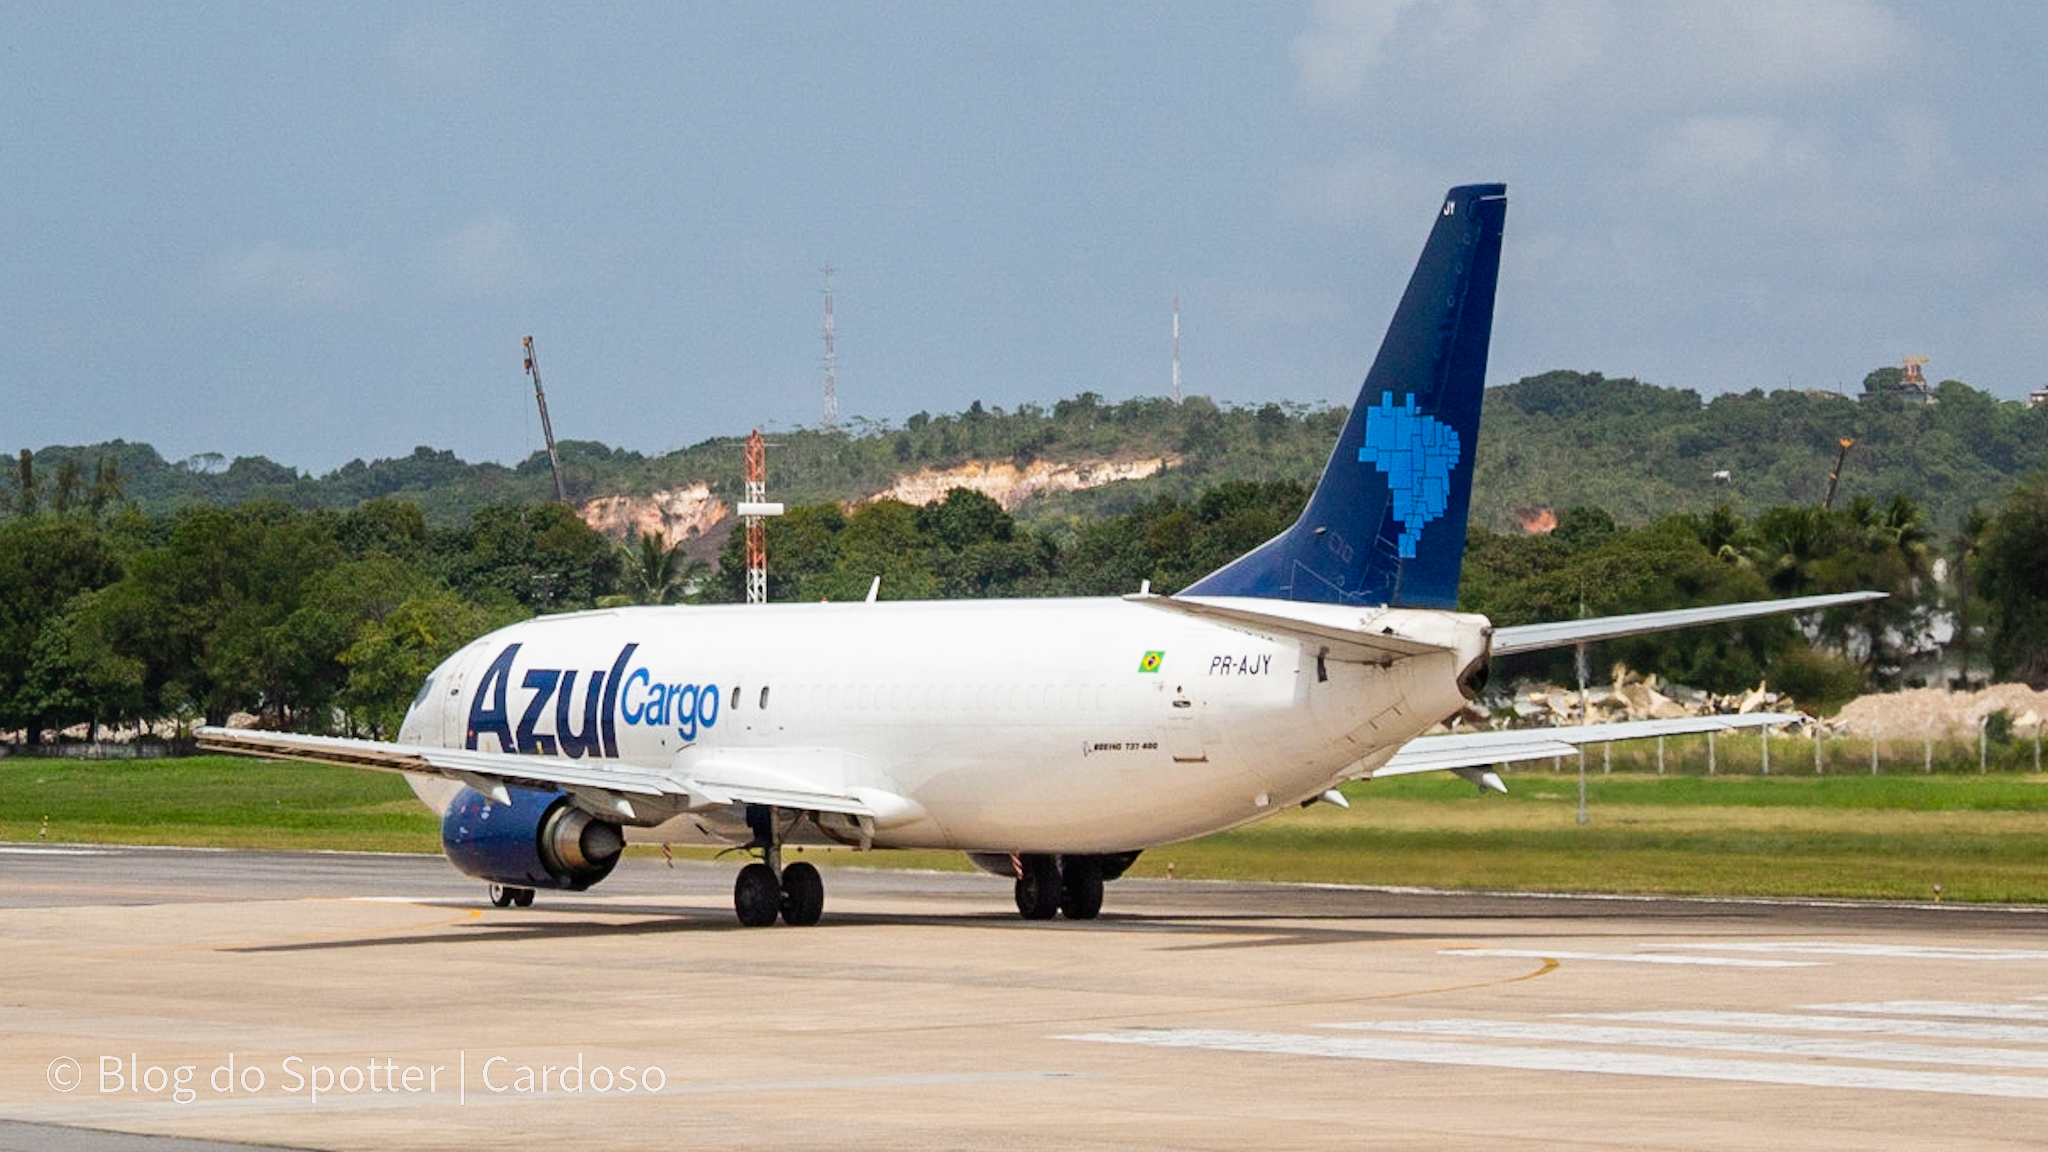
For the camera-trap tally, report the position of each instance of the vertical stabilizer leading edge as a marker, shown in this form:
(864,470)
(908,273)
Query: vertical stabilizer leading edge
(1386,523)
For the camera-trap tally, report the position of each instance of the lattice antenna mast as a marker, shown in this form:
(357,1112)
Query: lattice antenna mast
(547,429)
(831,360)
(755,510)
(1176,349)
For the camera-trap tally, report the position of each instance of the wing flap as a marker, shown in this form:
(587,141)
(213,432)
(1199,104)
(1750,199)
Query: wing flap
(706,782)
(456,763)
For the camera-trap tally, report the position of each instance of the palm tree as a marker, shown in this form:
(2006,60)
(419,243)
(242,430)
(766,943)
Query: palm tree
(651,566)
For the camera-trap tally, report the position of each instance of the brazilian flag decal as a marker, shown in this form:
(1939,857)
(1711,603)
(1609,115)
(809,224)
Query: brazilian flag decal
(1151,661)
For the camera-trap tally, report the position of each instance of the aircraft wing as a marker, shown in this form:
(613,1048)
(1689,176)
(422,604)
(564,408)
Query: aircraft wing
(606,785)
(1563,633)
(1468,752)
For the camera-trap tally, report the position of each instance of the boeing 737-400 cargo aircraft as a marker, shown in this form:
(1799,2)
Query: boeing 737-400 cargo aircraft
(1051,740)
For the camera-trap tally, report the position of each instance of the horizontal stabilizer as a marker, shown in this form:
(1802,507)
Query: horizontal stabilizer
(1480,749)
(1340,632)
(1564,633)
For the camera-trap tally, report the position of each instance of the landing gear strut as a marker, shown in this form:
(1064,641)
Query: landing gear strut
(765,890)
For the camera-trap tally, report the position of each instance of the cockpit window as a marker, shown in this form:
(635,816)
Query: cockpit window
(426,686)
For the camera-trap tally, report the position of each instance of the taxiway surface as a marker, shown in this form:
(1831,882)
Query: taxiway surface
(206,996)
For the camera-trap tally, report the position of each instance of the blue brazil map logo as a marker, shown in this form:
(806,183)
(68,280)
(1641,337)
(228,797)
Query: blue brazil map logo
(1416,453)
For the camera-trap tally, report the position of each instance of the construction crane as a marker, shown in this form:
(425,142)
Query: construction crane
(1835,477)
(547,429)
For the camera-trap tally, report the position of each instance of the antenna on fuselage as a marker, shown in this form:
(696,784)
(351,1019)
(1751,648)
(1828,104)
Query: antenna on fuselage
(547,429)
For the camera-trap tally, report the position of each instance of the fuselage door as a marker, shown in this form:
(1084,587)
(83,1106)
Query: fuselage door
(1183,728)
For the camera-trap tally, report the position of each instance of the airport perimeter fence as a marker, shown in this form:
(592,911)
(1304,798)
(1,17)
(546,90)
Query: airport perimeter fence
(1815,753)
(102,750)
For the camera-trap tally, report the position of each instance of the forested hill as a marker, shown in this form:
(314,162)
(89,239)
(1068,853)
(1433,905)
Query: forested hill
(1559,440)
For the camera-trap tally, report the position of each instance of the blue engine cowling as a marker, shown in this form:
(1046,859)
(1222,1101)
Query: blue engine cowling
(540,840)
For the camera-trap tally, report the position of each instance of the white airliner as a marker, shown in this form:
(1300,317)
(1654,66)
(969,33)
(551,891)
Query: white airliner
(1051,740)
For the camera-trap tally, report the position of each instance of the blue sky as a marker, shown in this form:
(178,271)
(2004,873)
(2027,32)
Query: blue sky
(317,232)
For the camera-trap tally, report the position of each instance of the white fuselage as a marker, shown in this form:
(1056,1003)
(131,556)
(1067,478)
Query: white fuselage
(1062,726)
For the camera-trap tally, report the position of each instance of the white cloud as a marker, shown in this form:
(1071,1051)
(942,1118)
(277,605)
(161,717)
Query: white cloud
(297,277)
(486,257)
(1374,188)
(1344,39)
(1705,156)
(1582,60)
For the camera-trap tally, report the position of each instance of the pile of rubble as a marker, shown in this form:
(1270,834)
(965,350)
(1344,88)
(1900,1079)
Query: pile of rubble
(1923,712)
(1627,695)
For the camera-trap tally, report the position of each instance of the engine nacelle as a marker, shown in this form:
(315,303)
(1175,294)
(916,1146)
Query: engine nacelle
(540,840)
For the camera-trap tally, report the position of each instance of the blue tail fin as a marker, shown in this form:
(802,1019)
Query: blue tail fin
(1386,523)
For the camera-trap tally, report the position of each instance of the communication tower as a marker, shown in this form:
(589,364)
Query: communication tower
(755,510)
(831,360)
(1176,350)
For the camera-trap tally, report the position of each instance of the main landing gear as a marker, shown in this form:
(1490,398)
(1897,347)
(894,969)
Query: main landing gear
(1050,885)
(503,896)
(766,891)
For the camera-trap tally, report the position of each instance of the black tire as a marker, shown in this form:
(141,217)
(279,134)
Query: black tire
(803,895)
(501,896)
(756,897)
(522,897)
(1038,887)
(1081,887)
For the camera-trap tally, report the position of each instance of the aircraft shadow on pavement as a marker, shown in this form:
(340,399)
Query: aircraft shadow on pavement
(1237,929)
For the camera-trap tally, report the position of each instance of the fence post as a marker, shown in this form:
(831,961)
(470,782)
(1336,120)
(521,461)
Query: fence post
(1873,753)
(1607,758)
(2037,746)
(1927,744)
(1710,753)
(1582,816)
(1819,769)
(1763,740)
(1983,746)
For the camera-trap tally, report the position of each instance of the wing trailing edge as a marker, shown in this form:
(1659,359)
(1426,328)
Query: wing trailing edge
(1464,751)
(628,792)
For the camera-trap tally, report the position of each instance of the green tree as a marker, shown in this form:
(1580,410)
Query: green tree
(2012,574)
(75,674)
(45,562)
(205,612)
(390,657)
(541,555)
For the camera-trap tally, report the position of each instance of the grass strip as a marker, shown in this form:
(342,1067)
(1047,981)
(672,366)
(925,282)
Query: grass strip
(1980,838)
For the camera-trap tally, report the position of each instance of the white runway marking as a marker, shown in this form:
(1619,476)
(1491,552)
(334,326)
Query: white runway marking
(1631,958)
(1864,1025)
(1941,1008)
(1547,1045)
(1888,951)
(1808,1075)
(33,850)
(1806,1046)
